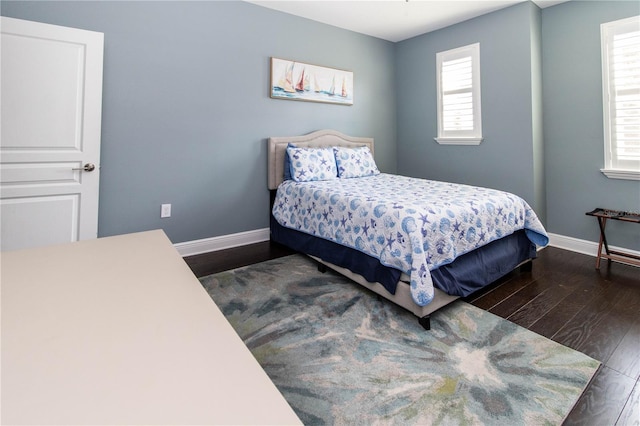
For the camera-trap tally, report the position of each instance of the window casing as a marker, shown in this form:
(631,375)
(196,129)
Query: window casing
(458,79)
(621,97)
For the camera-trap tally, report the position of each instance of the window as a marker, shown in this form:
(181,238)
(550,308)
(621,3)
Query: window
(621,97)
(458,75)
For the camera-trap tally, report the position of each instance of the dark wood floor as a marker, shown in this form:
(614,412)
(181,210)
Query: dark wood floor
(563,298)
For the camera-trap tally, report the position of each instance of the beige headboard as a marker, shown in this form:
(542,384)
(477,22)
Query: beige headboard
(278,148)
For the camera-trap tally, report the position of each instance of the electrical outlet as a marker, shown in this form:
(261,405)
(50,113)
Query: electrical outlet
(165,210)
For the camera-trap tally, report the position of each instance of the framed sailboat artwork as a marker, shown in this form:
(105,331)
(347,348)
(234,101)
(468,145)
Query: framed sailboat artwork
(299,81)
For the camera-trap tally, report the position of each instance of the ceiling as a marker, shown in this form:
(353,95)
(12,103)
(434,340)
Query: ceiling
(393,20)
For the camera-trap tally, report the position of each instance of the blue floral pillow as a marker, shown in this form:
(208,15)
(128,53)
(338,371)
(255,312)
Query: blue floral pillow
(355,162)
(308,164)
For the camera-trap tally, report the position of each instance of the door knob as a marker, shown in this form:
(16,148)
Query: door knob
(89,167)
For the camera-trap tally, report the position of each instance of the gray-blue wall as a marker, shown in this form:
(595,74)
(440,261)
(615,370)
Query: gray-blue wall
(186,107)
(505,158)
(573,123)
(541,78)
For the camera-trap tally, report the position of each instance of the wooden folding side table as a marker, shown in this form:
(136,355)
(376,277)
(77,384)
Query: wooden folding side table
(618,256)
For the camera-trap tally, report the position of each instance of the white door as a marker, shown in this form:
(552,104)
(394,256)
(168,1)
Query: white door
(51,101)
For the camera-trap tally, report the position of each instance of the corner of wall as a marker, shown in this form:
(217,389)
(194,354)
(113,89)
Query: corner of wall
(537,125)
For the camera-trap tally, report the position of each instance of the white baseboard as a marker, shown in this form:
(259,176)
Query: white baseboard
(582,246)
(190,248)
(573,244)
(206,245)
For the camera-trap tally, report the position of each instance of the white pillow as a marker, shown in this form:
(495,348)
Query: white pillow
(355,162)
(309,164)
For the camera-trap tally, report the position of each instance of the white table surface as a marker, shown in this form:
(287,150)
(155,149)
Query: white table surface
(118,330)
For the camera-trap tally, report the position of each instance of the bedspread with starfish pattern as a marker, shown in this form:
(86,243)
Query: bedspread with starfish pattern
(414,225)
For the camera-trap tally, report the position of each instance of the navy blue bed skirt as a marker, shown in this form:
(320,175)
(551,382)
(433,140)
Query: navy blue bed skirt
(465,275)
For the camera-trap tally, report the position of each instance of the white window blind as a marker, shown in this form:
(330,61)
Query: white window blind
(458,75)
(621,95)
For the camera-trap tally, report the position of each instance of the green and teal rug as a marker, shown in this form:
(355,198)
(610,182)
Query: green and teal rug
(341,356)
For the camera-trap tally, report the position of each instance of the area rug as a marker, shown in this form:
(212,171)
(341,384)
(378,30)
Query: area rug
(339,355)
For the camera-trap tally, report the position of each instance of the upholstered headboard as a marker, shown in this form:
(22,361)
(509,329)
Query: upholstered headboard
(322,138)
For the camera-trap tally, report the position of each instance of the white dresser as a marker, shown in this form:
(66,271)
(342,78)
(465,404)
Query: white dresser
(118,330)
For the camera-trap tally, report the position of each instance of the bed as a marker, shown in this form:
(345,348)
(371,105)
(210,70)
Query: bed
(394,235)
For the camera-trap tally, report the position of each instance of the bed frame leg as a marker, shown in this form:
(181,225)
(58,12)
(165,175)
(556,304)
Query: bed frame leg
(322,268)
(527,266)
(425,322)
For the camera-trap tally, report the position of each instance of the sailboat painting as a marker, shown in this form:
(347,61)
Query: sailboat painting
(305,82)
